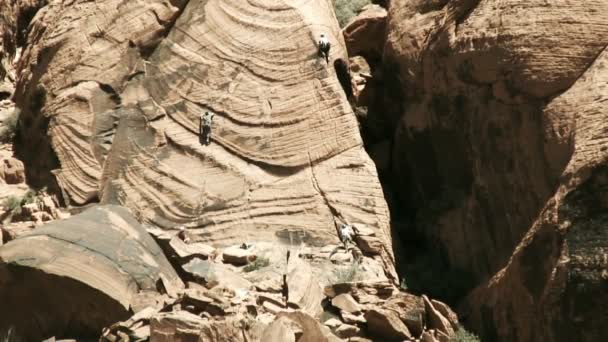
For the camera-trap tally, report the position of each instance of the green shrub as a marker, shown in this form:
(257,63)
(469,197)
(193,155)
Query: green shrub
(257,264)
(9,127)
(12,203)
(29,197)
(9,336)
(347,274)
(347,9)
(462,335)
(403,284)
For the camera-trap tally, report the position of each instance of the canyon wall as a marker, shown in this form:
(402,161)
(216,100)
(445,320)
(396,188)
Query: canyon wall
(499,152)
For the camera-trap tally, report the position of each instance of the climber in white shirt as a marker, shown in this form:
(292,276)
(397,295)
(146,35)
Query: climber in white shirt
(324,46)
(346,234)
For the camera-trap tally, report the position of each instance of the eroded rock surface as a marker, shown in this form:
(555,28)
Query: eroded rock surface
(482,154)
(498,137)
(558,273)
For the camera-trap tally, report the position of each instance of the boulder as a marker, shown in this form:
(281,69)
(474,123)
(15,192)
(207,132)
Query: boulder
(414,321)
(332,323)
(346,302)
(187,251)
(279,330)
(198,301)
(238,256)
(172,326)
(446,312)
(362,292)
(12,170)
(40,217)
(29,209)
(149,299)
(215,274)
(311,329)
(305,292)
(273,307)
(273,284)
(435,319)
(49,204)
(352,318)
(347,331)
(386,324)
(80,272)
(184,326)
(410,309)
(135,328)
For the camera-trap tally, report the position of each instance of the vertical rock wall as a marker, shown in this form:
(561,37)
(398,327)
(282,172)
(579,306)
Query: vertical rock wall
(496,149)
(115,89)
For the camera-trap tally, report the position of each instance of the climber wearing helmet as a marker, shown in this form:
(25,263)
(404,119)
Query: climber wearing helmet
(324,47)
(346,234)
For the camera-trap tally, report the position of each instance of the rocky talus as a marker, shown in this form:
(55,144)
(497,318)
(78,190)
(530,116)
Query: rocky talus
(496,119)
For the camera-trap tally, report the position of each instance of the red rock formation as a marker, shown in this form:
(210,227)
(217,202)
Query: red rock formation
(554,286)
(122,86)
(472,137)
(499,146)
(364,35)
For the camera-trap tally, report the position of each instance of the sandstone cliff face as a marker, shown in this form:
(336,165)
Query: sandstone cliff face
(499,155)
(477,78)
(554,286)
(121,85)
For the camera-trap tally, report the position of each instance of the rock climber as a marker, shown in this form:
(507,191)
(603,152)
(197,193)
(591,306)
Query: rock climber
(324,47)
(205,127)
(346,234)
(183,234)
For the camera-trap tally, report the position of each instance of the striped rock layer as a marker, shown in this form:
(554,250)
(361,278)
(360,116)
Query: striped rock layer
(122,85)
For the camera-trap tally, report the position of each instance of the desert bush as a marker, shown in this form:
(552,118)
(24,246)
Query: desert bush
(12,202)
(29,197)
(260,262)
(403,284)
(347,9)
(9,336)
(347,274)
(462,335)
(9,127)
